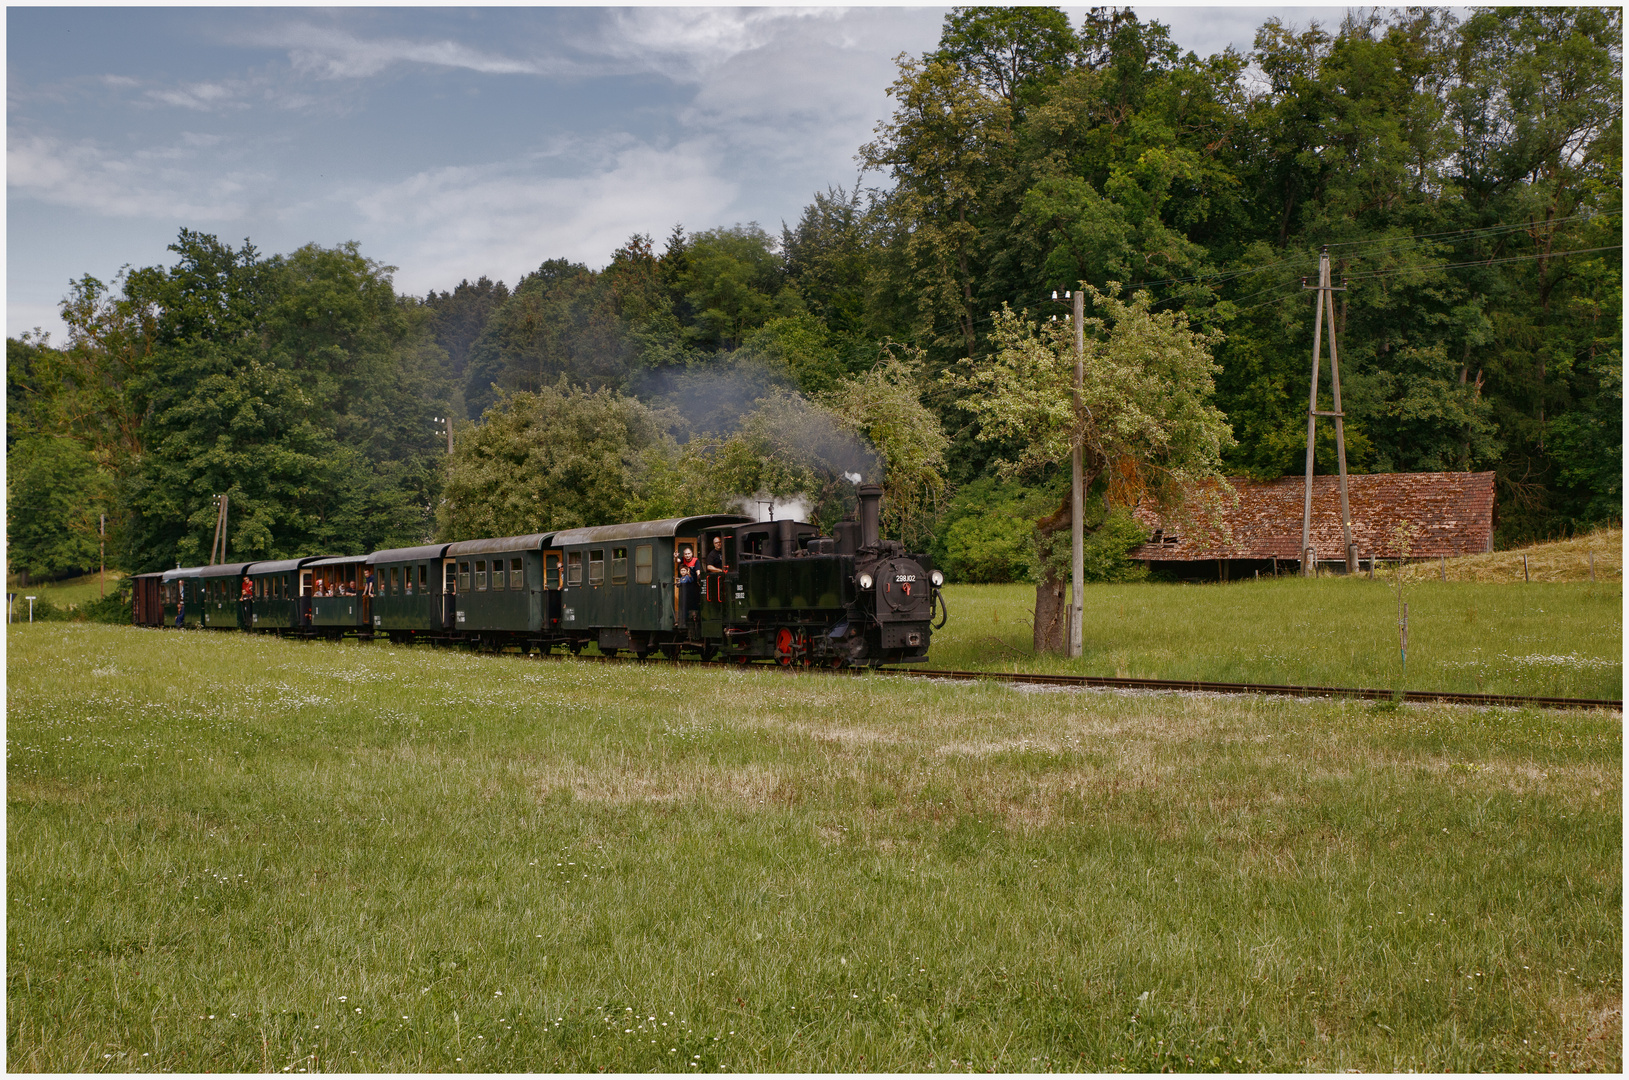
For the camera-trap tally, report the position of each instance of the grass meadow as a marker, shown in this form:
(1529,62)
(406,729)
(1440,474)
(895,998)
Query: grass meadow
(234,853)
(1561,639)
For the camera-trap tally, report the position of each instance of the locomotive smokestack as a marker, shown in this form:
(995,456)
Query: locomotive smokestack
(870,514)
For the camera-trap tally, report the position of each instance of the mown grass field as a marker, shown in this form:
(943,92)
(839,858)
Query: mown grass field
(1546,639)
(230,853)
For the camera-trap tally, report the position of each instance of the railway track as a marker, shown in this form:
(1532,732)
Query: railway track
(1442,697)
(1103,682)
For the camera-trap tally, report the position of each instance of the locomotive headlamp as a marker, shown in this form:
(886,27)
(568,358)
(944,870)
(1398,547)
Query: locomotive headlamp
(937,578)
(865,581)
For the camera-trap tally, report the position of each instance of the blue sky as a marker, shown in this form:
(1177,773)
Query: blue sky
(449,142)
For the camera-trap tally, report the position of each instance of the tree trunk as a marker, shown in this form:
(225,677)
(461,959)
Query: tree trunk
(1051,604)
(1051,614)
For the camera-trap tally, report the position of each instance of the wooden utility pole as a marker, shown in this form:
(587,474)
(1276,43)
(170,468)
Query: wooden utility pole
(101,573)
(218,545)
(1326,300)
(1077,495)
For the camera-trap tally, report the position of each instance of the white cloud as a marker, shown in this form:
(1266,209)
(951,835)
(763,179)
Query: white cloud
(164,182)
(689,44)
(205,97)
(503,219)
(807,102)
(337,54)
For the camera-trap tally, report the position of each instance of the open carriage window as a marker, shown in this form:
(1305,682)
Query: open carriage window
(619,566)
(596,567)
(497,573)
(574,568)
(480,575)
(517,574)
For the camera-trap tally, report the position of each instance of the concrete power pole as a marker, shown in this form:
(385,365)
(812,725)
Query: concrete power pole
(1326,300)
(1077,497)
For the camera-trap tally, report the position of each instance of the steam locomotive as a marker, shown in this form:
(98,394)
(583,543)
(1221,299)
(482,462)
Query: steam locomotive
(784,593)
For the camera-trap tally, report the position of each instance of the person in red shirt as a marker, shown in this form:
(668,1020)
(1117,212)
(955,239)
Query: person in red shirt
(689,580)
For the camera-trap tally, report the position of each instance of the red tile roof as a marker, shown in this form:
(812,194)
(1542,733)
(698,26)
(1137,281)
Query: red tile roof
(1451,514)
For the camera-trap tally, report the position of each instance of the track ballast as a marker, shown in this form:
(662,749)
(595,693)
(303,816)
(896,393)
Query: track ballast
(1189,686)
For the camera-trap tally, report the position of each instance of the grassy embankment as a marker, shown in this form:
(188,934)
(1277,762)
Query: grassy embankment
(68,592)
(1477,632)
(229,853)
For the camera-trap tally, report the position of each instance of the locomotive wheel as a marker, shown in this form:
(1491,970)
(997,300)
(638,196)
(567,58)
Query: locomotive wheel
(784,644)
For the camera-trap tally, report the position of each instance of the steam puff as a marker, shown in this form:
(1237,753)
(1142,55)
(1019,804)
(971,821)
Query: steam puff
(765,507)
(853,477)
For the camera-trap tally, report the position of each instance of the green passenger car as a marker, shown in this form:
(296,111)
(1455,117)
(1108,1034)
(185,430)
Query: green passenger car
(224,604)
(499,588)
(408,591)
(183,596)
(619,587)
(279,604)
(339,600)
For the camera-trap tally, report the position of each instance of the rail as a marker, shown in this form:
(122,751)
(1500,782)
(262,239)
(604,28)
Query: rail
(1193,686)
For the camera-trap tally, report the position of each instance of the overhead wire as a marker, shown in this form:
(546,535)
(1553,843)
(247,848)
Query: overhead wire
(1470,233)
(1476,262)
(1395,242)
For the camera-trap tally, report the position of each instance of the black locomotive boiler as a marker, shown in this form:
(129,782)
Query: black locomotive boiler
(760,591)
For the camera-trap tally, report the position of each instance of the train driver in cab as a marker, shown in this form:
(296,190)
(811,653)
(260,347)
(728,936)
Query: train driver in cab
(715,570)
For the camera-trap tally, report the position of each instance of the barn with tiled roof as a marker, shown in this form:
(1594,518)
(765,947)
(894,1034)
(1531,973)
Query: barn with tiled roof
(1445,514)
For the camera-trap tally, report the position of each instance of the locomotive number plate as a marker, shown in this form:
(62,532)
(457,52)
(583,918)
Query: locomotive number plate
(898,578)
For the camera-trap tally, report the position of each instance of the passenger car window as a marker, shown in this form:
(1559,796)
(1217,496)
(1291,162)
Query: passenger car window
(596,567)
(642,564)
(395,581)
(517,574)
(497,573)
(619,566)
(574,568)
(463,576)
(480,575)
(424,577)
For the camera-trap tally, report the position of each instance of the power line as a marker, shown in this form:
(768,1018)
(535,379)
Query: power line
(1478,262)
(981,320)
(1467,233)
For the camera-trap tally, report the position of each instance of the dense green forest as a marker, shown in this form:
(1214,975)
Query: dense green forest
(1465,176)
